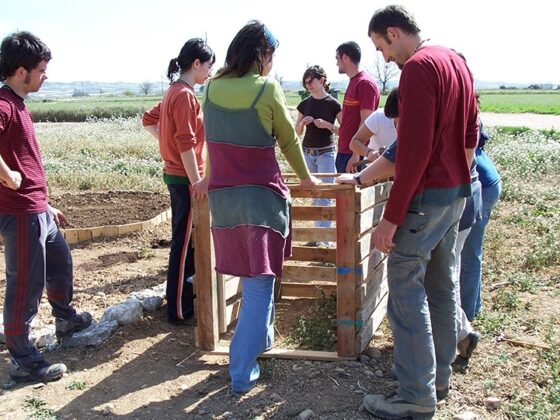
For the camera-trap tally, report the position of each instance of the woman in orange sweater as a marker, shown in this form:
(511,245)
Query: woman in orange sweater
(177,124)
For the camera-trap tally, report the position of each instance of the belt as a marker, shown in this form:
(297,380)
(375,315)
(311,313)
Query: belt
(314,151)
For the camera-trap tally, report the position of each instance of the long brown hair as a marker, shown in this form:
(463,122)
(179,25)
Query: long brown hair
(253,44)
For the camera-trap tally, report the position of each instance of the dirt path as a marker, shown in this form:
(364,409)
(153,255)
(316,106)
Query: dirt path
(534,121)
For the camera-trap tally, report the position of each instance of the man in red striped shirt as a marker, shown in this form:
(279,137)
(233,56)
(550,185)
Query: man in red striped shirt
(437,134)
(35,250)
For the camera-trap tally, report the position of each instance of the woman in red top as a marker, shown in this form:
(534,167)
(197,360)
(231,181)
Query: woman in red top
(177,124)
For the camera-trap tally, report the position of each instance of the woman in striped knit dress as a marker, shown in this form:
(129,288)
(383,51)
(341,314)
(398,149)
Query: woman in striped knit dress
(245,115)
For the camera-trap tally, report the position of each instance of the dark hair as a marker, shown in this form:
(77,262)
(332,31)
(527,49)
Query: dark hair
(392,16)
(352,50)
(252,44)
(21,49)
(316,72)
(391,108)
(195,48)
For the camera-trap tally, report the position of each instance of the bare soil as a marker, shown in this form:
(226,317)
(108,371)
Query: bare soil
(91,209)
(153,369)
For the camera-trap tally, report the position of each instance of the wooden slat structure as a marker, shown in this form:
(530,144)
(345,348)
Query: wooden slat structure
(354,270)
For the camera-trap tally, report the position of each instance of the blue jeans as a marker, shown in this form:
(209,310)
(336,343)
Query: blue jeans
(323,163)
(421,306)
(254,332)
(471,256)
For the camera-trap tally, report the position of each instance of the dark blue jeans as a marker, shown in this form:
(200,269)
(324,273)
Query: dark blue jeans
(180,295)
(36,254)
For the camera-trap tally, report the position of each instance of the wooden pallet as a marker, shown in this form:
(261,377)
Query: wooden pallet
(354,270)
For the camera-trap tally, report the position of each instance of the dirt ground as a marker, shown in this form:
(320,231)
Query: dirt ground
(153,369)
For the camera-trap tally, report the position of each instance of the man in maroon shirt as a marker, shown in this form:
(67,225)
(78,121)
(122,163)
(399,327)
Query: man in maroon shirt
(35,250)
(360,100)
(437,134)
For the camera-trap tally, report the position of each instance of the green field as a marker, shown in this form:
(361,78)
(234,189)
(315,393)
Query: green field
(543,102)
(80,109)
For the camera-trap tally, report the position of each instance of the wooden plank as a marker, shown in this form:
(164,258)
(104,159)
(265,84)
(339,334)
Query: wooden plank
(84,235)
(371,325)
(280,353)
(346,274)
(300,193)
(300,273)
(222,325)
(306,290)
(128,228)
(373,291)
(206,303)
(369,218)
(232,286)
(374,279)
(71,236)
(315,254)
(110,231)
(367,197)
(313,213)
(232,311)
(369,264)
(306,234)
(96,232)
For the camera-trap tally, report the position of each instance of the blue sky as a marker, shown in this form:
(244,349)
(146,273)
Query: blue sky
(133,40)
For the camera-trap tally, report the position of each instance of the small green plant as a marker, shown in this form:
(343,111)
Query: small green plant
(506,300)
(268,368)
(39,409)
(76,386)
(317,329)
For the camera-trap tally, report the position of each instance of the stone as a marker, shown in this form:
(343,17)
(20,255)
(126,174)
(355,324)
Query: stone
(93,335)
(128,312)
(43,337)
(492,403)
(150,300)
(306,414)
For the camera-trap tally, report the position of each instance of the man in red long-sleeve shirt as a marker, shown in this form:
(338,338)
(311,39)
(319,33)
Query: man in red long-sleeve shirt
(437,135)
(35,251)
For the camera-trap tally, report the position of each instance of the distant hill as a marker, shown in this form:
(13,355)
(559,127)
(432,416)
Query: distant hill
(88,88)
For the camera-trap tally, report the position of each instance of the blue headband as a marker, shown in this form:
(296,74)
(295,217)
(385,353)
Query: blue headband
(272,41)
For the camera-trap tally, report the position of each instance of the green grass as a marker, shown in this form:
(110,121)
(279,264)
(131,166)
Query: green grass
(544,102)
(76,386)
(80,109)
(39,409)
(522,256)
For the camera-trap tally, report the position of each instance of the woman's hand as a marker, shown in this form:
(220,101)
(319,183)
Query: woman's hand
(200,189)
(310,181)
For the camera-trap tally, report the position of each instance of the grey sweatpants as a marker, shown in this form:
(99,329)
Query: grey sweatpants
(36,253)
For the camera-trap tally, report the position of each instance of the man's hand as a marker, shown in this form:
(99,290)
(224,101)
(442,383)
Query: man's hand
(13,182)
(200,189)
(350,167)
(383,236)
(346,179)
(59,217)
